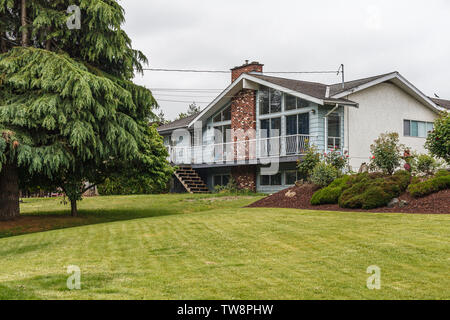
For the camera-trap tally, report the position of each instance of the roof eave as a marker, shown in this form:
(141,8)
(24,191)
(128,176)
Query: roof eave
(393,76)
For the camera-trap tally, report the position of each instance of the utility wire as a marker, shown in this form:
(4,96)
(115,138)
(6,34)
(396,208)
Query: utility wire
(226,71)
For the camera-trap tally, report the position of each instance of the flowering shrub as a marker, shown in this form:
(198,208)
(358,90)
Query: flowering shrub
(337,160)
(386,153)
(308,163)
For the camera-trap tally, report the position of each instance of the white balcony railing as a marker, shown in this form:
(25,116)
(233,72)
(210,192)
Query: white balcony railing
(241,150)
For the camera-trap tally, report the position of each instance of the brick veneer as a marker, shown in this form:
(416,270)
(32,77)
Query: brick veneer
(243,118)
(245,177)
(245,68)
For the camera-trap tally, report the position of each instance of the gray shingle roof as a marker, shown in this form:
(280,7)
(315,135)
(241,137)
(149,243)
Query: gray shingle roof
(177,124)
(337,87)
(442,103)
(313,89)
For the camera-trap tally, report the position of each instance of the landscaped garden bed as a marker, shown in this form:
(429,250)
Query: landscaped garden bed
(299,197)
(421,185)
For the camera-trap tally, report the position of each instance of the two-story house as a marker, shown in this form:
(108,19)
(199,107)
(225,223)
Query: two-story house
(261,122)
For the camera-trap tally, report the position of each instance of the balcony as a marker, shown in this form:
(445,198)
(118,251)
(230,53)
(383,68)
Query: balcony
(247,150)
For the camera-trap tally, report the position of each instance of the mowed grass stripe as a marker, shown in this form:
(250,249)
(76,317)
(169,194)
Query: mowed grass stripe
(233,253)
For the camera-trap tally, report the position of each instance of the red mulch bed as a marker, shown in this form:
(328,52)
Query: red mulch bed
(437,203)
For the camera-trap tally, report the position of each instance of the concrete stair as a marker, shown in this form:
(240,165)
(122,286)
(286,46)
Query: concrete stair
(190,180)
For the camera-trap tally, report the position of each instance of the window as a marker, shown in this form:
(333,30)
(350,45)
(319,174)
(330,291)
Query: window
(418,129)
(297,124)
(224,115)
(221,180)
(293,103)
(274,180)
(272,127)
(270,131)
(290,177)
(269,101)
(334,131)
(222,134)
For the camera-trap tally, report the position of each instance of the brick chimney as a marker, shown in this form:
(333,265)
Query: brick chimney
(245,68)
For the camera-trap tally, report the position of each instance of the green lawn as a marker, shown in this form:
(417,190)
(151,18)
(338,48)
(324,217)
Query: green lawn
(197,247)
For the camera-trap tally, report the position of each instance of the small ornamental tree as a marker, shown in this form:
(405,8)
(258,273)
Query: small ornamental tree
(438,141)
(387,153)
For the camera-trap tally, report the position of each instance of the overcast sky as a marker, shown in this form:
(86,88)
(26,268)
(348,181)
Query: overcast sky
(370,37)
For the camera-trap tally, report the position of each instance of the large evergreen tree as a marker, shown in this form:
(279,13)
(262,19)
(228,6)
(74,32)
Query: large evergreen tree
(69,113)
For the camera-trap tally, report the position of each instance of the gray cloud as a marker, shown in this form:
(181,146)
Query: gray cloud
(370,37)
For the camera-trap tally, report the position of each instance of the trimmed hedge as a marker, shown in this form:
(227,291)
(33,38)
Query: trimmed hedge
(330,194)
(441,181)
(370,191)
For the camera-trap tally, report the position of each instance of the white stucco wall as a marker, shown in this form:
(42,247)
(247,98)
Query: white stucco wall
(382,108)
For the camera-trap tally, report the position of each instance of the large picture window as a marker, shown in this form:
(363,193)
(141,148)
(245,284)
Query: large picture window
(224,115)
(418,129)
(293,103)
(269,101)
(297,124)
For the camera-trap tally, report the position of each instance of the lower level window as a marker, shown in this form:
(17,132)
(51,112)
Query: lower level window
(221,179)
(274,180)
(291,177)
(418,129)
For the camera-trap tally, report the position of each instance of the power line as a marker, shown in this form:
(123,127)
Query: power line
(186,90)
(182,101)
(226,71)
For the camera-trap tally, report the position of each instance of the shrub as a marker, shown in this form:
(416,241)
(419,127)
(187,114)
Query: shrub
(308,163)
(386,153)
(440,182)
(324,174)
(369,191)
(438,141)
(130,185)
(337,160)
(330,194)
(425,164)
(231,187)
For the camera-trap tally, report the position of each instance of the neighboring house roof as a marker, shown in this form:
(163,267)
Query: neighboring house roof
(177,124)
(442,103)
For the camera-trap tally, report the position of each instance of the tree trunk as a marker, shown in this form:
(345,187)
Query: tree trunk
(9,192)
(74,208)
(23,17)
(2,43)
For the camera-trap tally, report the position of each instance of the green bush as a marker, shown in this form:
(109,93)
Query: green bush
(386,153)
(130,185)
(370,191)
(308,163)
(440,182)
(330,194)
(324,174)
(425,164)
